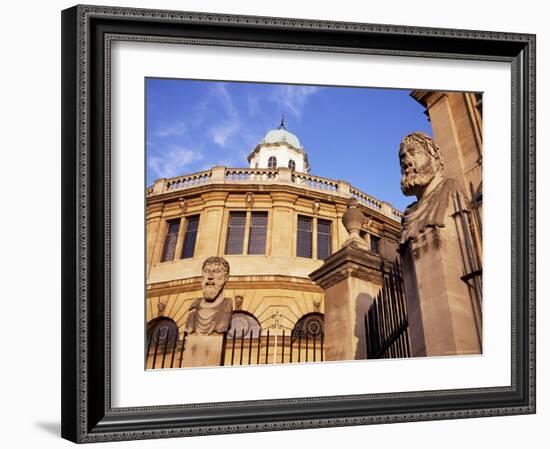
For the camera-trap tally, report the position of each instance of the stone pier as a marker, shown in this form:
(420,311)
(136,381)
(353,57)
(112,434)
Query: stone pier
(350,278)
(444,316)
(441,310)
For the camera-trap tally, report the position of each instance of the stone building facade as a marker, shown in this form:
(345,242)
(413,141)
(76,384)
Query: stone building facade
(274,223)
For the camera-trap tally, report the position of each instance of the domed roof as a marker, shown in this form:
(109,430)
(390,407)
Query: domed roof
(281,135)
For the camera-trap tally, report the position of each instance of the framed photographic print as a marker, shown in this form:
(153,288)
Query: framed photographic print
(282,223)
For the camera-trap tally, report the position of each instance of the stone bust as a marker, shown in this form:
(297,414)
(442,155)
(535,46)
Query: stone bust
(212,312)
(422,175)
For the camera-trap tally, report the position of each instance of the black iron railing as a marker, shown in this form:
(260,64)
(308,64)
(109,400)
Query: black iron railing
(267,347)
(470,224)
(262,348)
(386,322)
(167,353)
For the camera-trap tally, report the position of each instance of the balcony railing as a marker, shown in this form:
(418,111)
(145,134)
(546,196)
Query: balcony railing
(185,182)
(366,200)
(315,182)
(251,176)
(224,175)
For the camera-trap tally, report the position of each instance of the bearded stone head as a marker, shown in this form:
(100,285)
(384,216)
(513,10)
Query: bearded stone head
(215,272)
(420,162)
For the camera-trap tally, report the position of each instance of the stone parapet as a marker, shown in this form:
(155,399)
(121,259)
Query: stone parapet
(277,176)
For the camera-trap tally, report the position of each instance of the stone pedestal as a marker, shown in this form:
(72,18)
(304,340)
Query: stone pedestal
(203,350)
(351,278)
(440,308)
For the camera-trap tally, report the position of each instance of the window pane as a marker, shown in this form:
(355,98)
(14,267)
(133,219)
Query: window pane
(258,233)
(170,241)
(303,243)
(272,162)
(235,233)
(292,165)
(190,237)
(323,239)
(374,244)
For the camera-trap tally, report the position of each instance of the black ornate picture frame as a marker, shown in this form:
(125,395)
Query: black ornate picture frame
(87,413)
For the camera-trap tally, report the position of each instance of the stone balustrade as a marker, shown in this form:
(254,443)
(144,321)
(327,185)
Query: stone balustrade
(251,175)
(184,182)
(315,182)
(397,214)
(224,175)
(366,200)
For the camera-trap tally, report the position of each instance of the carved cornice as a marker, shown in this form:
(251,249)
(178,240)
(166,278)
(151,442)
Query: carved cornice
(283,197)
(353,260)
(283,192)
(214,198)
(427,97)
(154,209)
(234,283)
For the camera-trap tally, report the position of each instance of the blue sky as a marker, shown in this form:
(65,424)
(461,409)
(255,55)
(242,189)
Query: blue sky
(349,133)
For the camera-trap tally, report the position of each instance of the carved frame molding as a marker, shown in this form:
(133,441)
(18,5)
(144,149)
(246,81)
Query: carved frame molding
(87,32)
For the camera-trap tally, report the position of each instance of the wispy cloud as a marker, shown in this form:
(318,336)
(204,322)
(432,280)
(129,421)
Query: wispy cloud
(178,128)
(221,133)
(253,103)
(172,162)
(230,125)
(293,98)
(220,92)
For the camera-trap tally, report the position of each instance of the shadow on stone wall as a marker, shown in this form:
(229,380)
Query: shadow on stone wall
(362,304)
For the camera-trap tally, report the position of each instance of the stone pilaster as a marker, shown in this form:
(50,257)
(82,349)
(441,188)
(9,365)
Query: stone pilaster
(154,216)
(211,222)
(284,224)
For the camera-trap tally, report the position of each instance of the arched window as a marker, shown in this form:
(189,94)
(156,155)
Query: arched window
(272,162)
(162,331)
(243,324)
(292,165)
(312,324)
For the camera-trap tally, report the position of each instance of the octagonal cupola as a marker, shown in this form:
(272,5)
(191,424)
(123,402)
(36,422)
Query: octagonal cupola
(279,148)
